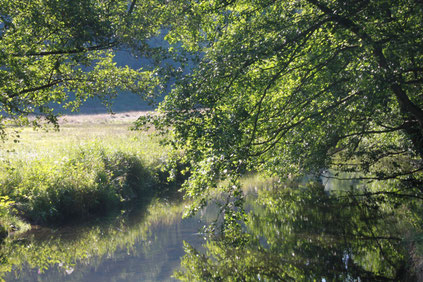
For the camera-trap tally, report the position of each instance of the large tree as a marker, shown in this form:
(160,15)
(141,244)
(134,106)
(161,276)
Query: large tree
(295,87)
(61,52)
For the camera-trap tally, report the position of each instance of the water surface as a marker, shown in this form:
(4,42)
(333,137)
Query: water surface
(292,232)
(144,244)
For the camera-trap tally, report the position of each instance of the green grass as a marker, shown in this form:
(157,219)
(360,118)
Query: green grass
(90,166)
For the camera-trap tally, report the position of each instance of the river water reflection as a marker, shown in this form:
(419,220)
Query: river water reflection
(298,232)
(145,244)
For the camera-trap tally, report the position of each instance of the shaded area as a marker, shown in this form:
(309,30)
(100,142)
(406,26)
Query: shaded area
(124,102)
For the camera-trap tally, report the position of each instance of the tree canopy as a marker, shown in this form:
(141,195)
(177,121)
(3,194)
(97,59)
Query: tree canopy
(61,52)
(297,87)
(282,87)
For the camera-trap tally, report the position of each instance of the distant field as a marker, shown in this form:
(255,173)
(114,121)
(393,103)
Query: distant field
(102,118)
(111,131)
(124,102)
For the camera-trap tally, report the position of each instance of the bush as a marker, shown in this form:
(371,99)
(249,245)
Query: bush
(92,181)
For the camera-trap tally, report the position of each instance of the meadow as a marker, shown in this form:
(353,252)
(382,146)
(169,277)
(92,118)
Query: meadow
(92,164)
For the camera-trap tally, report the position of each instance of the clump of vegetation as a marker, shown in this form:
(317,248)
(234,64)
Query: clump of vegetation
(9,223)
(89,181)
(4,206)
(81,171)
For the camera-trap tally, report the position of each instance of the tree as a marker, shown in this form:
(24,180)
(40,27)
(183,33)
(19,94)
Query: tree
(50,49)
(298,87)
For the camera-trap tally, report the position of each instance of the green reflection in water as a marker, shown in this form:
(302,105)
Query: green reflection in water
(305,233)
(293,232)
(28,256)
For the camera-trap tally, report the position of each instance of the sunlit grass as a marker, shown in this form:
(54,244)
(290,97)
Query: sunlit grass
(52,144)
(85,165)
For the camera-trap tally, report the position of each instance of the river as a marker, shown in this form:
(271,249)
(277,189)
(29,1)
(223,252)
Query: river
(144,243)
(292,232)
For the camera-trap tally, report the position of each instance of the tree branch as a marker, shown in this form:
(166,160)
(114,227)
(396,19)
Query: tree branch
(131,8)
(405,103)
(390,193)
(393,176)
(72,51)
(53,83)
(284,129)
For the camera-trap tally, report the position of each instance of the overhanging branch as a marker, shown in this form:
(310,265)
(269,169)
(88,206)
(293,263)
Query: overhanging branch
(71,51)
(405,103)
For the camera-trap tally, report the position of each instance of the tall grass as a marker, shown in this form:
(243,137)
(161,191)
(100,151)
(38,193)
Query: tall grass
(81,170)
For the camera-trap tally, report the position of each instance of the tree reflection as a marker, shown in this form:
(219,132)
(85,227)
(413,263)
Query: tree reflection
(53,255)
(307,233)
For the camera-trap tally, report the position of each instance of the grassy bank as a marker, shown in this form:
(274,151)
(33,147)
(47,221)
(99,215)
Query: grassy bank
(92,165)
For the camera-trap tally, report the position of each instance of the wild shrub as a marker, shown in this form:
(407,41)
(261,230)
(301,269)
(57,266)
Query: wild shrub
(90,181)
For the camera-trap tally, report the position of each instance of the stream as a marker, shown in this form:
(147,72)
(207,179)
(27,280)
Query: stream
(292,232)
(143,244)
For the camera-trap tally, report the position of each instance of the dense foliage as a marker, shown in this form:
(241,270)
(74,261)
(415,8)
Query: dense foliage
(61,52)
(298,87)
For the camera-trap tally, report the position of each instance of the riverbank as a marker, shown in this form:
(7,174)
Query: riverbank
(92,165)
